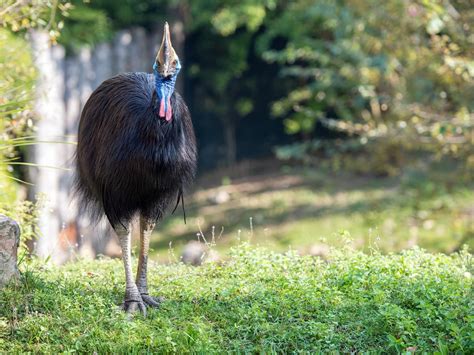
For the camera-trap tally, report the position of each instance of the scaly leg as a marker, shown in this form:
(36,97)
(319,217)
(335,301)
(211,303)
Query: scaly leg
(146,228)
(133,301)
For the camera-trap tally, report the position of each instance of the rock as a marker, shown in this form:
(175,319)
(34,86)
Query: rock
(9,242)
(193,253)
(196,253)
(219,198)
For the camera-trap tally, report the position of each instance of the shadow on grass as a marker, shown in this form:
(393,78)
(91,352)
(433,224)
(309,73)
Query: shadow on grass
(279,202)
(234,218)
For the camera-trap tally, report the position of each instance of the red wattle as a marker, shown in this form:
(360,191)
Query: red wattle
(162,108)
(169,111)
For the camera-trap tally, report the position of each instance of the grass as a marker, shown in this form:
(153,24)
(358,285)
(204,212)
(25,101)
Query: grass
(303,207)
(256,302)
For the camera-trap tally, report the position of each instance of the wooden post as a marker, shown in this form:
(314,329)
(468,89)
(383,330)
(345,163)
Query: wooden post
(49,105)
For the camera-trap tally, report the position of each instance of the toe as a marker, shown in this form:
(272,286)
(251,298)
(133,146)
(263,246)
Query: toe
(142,308)
(132,306)
(151,301)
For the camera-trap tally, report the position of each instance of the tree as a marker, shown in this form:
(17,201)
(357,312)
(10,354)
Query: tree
(225,31)
(383,73)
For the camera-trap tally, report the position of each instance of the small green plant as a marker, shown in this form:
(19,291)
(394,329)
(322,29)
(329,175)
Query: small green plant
(26,214)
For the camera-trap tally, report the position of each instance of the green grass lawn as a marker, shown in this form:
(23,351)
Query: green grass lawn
(302,207)
(255,302)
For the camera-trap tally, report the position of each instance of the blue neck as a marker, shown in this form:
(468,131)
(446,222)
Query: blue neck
(164,87)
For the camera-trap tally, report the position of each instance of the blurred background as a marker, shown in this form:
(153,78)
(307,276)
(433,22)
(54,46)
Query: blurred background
(319,123)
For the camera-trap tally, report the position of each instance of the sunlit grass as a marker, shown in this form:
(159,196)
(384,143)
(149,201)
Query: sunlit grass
(300,209)
(255,302)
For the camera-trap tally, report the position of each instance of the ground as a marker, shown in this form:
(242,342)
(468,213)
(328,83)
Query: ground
(366,294)
(255,302)
(306,209)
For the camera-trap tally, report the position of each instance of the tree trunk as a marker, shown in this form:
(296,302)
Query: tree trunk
(231,142)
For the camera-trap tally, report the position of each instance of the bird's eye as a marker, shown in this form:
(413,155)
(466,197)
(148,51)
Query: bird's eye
(175,62)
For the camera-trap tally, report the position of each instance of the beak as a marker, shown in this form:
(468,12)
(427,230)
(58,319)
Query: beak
(165,52)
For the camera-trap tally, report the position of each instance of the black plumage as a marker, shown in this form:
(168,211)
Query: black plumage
(136,153)
(129,159)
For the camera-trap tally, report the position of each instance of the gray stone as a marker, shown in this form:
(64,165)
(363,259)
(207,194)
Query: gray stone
(193,253)
(9,242)
(197,253)
(220,197)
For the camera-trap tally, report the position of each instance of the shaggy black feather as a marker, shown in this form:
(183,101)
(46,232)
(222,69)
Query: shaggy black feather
(129,159)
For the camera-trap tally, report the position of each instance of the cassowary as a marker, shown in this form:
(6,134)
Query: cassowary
(136,152)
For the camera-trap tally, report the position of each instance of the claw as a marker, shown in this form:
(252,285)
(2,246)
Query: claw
(150,301)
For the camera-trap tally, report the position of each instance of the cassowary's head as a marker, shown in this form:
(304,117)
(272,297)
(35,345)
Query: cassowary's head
(166,69)
(167,61)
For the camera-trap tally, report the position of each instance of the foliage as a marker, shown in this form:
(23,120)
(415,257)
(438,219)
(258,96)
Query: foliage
(78,32)
(395,72)
(16,66)
(43,14)
(227,86)
(17,77)
(343,69)
(26,214)
(257,302)
(226,17)
(347,154)
(17,72)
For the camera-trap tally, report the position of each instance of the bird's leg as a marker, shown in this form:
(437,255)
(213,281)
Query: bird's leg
(133,301)
(146,228)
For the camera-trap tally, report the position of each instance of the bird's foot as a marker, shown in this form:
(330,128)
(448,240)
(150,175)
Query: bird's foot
(132,306)
(150,301)
(133,303)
